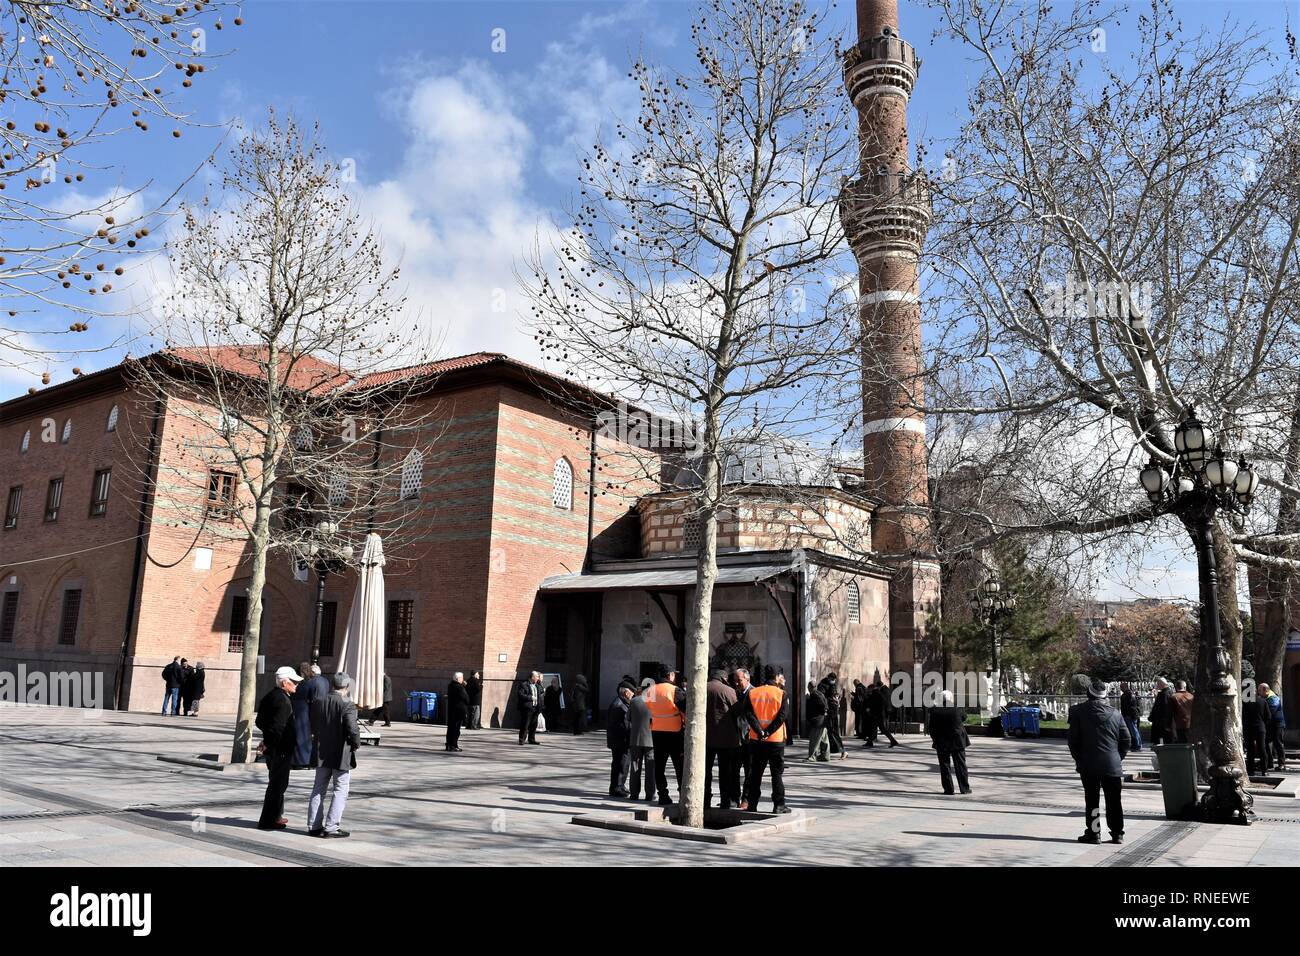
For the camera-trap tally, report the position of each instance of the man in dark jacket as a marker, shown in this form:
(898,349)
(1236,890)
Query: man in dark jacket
(947,730)
(858,704)
(457,710)
(337,738)
(529,697)
(313,689)
(187,687)
(1098,742)
(1254,729)
(877,705)
(200,680)
(814,709)
(171,676)
(618,734)
(475,688)
(1160,715)
(721,742)
(387,698)
(641,742)
(578,704)
(830,688)
(1128,709)
(275,721)
(1275,720)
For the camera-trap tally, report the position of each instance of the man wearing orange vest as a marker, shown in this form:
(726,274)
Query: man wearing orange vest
(667,703)
(763,710)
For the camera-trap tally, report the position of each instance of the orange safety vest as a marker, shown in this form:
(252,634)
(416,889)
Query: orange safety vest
(767,701)
(664,714)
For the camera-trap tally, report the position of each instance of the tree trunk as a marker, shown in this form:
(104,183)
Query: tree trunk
(241,751)
(1272,590)
(697,646)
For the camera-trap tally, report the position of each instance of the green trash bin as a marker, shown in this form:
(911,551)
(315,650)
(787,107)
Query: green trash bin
(1178,780)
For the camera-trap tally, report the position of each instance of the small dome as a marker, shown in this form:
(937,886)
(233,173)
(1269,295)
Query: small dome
(766,460)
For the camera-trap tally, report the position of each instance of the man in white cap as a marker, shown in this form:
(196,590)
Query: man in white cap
(275,721)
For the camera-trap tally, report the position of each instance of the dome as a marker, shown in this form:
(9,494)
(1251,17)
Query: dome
(766,460)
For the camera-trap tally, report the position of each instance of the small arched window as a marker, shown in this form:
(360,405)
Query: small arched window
(562,485)
(26,442)
(338,489)
(112,420)
(855,603)
(67,431)
(412,474)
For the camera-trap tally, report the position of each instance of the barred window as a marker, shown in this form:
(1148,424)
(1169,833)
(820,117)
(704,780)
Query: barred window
(399,629)
(9,617)
(71,615)
(238,623)
(112,420)
(329,615)
(13,506)
(562,485)
(412,474)
(855,603)
(338,490)
(221,492)
(53,499)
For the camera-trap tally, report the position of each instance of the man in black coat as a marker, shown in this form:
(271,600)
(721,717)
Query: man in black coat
(721,741)
(830,688)
(618,738)
(529,697)
(877,704)
(336,738)
(1098,742)
(457,710)
(814,710)
(275,721)
(1129,710)
(171,676)
(475,688)
(578,704)
(1160,715)
(858,704)
(946,726)
(1255,730)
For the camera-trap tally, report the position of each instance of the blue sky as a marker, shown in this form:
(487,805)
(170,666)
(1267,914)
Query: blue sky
(463,153)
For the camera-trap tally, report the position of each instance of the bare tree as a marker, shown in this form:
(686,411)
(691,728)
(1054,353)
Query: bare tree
(692,279)
(286,363)
(73,71)
(1115,243)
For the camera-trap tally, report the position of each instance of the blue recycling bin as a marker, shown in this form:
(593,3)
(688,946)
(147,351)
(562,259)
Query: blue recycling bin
(421,705)
(1023,721)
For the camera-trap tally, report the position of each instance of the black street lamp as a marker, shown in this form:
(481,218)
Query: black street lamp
(1195,487)
(992,605)
(326,555)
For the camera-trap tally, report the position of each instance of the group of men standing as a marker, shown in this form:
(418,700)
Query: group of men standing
(1263,723)
(745,733)
(184,687)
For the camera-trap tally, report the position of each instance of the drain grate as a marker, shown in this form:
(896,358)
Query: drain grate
(1150,848)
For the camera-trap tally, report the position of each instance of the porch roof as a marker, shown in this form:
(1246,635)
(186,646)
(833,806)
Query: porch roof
(659,579)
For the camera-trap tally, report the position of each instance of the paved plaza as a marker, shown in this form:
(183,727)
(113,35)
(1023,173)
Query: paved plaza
(86,788)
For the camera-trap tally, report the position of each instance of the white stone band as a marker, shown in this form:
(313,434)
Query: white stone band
(889,295)
(885,88)
(894,425)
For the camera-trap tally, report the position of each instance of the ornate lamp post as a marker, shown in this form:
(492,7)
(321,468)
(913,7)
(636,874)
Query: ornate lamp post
(1195,487)
(992,605)
(327,555)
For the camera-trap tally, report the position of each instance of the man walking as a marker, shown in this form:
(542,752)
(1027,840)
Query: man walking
(1180,707)
(618,732)
(1161,715)
(171,676)
(275,721)
(830,688)
(667,702)
(475,688)
(530,701)
(877,704)
(457,710)
(947,731)
(382,711)
(1275,718)
(763,710)
(1098,742)
(721,742)
(1128,709)
(641,742)
(337,738)
(814,709)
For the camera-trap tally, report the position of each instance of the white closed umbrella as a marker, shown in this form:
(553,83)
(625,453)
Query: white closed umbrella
(362,655)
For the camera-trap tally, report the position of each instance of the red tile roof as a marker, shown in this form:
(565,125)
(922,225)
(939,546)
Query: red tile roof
(304,372)
(439,367)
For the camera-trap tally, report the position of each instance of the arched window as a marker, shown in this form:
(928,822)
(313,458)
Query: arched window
(112,419)
(26,442)
(562,485)
(855,603)
(338,490)
(67,431)
(412,474)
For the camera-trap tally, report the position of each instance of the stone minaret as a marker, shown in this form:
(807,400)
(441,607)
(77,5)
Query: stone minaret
(886,212)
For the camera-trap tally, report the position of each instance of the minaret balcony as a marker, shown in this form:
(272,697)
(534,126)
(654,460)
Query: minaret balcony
(883,64)
(887,212)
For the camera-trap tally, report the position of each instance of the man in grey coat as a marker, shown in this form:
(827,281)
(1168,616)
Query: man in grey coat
(641,744)
(1098,742)
(337,737)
